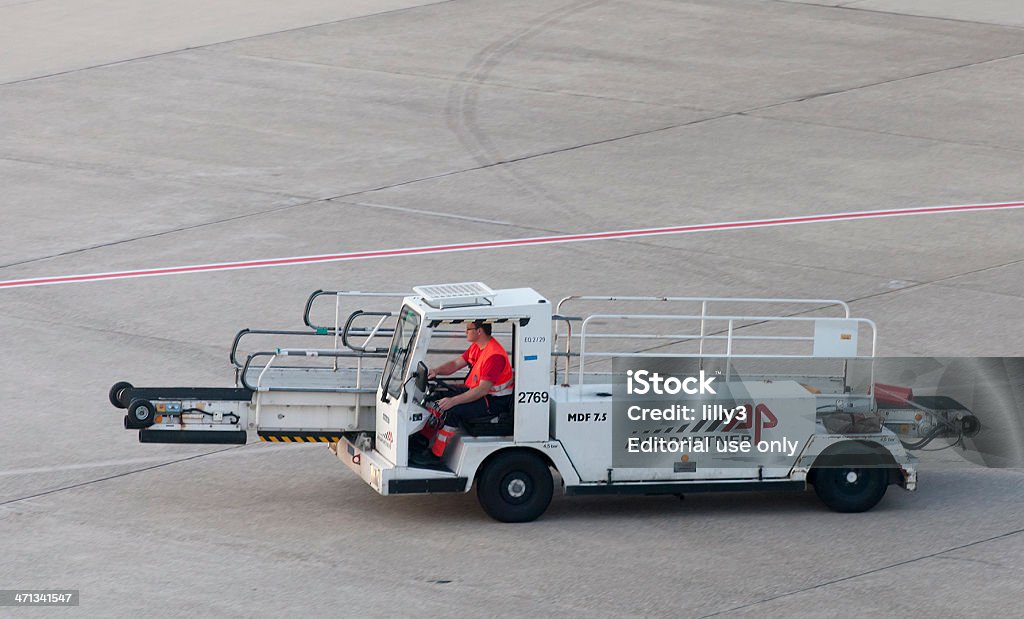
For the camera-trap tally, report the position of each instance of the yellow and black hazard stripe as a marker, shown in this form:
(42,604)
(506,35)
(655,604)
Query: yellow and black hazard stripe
(300,437)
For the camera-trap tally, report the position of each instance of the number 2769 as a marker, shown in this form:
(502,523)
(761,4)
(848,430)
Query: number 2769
(528,397)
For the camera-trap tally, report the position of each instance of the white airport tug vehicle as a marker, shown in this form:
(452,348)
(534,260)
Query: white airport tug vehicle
(366,398)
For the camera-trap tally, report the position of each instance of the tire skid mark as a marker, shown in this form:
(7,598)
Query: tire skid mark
(463,104)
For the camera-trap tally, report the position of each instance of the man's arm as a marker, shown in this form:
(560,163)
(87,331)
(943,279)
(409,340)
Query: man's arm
(448,367)
(466,397)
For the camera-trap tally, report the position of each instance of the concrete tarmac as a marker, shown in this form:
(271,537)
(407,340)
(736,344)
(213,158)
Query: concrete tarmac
(157,134)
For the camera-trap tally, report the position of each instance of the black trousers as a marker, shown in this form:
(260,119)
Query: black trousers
(487,406)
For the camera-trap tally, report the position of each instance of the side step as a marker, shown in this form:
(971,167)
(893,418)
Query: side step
(685,487)
(421,486)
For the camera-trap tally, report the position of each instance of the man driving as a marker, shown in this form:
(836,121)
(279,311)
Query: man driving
(489,385)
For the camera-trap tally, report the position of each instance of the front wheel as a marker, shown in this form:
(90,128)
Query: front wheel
(141,414)
(515,487)
(850,490)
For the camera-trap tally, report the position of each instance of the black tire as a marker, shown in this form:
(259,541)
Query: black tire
(850,489)
(515,486)
(141,414)
(119,394)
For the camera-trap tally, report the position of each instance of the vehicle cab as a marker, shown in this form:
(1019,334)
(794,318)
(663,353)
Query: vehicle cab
(429,324)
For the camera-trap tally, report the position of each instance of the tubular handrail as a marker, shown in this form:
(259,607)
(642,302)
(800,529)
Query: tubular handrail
(373,332)
(266,368)
(326,352)
(289,352)
(705,309)
(338,294)
(762,300)
(730,336)
(244,332)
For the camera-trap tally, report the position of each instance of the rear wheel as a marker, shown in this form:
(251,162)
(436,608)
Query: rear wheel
(515,487)
(119,394)
(850,489)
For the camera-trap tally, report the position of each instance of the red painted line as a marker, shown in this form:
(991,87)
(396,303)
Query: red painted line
(541,240)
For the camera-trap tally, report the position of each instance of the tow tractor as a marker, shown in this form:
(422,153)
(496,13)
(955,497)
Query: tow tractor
(366,394)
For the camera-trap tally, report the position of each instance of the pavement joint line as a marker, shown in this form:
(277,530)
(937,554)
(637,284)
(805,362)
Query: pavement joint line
(844,91)
(465,170)
(849,7)
(336,197)
(556,151)
(456,80)
(634,242)
(740,258)
(182,179)
(888,133)
(743,257)
(80,466)
(697,121)
(403,209)
(473,168)
(508,243)
(865,573)
(79,250)
(19,3)
(438,214)
(503,161)
(119,475)
(35,320)
(306,202)
(215,43)
(265,447)
(938,282)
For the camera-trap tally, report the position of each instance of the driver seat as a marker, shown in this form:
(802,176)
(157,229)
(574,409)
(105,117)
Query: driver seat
(496,425)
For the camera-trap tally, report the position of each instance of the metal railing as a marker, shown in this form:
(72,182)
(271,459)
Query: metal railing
(358,387)
(338,296)
(730,337)
(348,340)
(709,326)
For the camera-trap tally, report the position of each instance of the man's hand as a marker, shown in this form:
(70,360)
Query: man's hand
(432,373)
(444,404)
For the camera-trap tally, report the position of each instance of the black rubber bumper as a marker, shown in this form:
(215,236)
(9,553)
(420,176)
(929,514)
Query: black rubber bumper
(189,393)
(206,437)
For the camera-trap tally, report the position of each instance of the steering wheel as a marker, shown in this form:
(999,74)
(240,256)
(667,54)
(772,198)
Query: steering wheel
(433,389)
(438,388)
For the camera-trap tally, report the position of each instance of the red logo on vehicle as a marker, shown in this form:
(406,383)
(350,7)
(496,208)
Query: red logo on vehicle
(762,419)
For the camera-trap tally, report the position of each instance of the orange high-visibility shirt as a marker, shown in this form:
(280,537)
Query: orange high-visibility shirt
(490,363)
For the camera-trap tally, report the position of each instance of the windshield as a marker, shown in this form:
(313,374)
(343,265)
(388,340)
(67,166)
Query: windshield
(401,346)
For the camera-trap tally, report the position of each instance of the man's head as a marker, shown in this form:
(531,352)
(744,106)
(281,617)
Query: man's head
(478,331)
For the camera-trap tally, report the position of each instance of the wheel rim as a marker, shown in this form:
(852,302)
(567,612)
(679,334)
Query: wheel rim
(851,482)
(516,488)
(141,413)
